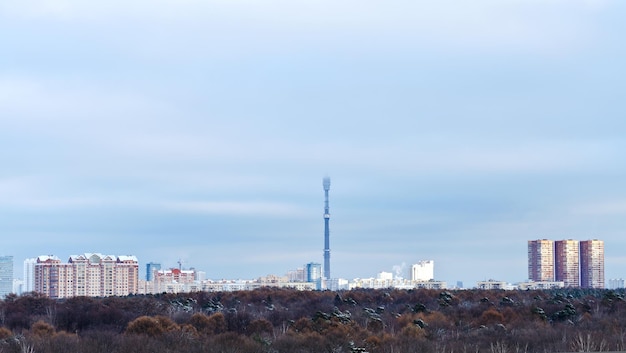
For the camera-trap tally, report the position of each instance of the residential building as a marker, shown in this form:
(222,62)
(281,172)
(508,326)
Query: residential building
(18,286)
(174,280)
(200,276)
(29,275)
(90,274)
(567,262)
(592,264)
(151,267)
(539,285)
(313,272)
(432,284)
(423,271)
(297,275)
(616,283)
(541,260)
(493,284)
(6,276)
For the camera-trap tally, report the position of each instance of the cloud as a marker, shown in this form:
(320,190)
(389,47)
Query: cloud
(603,208)
(27,98)
(237,208)
(270,25)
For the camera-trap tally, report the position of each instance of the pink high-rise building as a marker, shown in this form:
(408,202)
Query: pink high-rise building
(91,275)
(567,262)
(541,260)
(592,264)
(575,263)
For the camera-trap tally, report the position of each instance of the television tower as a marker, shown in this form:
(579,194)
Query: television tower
(326,184)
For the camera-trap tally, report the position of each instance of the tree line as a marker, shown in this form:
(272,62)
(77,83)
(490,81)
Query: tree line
(284,320)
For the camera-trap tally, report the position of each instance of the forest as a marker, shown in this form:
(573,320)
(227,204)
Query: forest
(271,320)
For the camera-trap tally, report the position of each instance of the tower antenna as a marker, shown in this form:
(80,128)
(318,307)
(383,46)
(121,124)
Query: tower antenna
(326,184)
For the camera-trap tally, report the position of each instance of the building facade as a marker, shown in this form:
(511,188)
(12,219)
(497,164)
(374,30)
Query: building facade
(6,275)
(543,285)
(541,260)
(592,264)
(616,283)
(567,262)
(423,271)
(297,275)
(151,268)
(175,280)
(90,275)
(493,284)
(29,275)
(575,263)
(313,274)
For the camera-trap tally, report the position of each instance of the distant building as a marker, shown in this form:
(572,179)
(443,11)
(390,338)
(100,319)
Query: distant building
(423,271)
(175,280)
(151,267)
(493,284)
(540,285)
(541,260)
(313,273)
(29,275)
(385,276)
(90,274)
(567,262)
(575,263)
(18,286)
(432,284)
(200,276)
(592,264)
(6,275)
(616,283)
(297,275)
(240,285)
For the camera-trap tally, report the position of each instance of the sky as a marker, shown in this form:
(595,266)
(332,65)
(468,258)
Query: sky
(200,131)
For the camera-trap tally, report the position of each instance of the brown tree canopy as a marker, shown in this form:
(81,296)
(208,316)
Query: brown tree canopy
(285,320)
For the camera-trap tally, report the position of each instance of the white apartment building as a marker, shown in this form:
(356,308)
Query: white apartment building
(617,283)
(493,284)
(29,275)
(540,285)
(90,274)
(423,271)
(175,280)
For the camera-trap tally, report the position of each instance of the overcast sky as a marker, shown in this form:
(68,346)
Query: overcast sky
(453,131)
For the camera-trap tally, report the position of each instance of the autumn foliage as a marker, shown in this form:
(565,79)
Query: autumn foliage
(283,320)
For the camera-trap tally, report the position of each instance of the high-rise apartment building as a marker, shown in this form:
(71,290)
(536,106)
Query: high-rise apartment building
(173,280)
(313,272)
(29,275)
(575,263)
(423,271)
(541,260)
(592,264)
(297,275)
(6,275)
(567,262)
(90,274)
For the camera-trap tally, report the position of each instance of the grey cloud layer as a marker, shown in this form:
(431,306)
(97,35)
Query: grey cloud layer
(214,122)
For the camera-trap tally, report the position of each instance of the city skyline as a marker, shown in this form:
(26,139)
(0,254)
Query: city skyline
(199,130)
(551,264)
(575,263)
